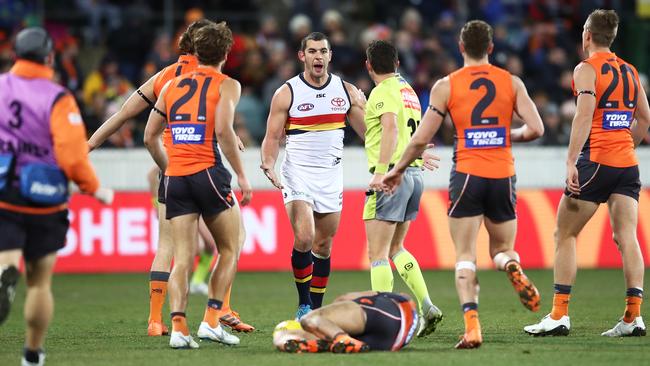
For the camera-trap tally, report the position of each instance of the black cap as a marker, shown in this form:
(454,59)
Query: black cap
(33,44)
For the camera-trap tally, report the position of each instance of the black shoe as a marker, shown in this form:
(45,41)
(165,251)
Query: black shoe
(8,279)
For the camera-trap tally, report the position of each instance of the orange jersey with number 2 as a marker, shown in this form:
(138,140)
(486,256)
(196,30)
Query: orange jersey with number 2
(481,103)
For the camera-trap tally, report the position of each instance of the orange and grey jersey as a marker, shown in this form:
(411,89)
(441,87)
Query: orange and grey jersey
(481,104)
(617,90)
(191,102)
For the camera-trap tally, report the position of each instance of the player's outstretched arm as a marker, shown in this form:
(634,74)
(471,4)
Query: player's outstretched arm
(525,107)
(430,124)
(584,77)
(130,109)
(223,128)
(642,118)
(275,122)
(154,129)
(356,114)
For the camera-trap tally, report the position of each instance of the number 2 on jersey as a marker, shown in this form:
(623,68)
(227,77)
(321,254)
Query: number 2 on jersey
(481,106)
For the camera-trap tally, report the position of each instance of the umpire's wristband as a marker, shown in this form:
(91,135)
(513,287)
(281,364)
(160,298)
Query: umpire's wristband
(381,168)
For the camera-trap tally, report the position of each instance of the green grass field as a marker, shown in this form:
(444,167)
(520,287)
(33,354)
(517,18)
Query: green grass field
(101,320)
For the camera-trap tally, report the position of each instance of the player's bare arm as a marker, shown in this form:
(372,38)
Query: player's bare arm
(584,77)
(154,129)
(357,109)
(642,118)
(230,92)
(386,148)
(130,109)
(525,107)
(430,124)
(274,132)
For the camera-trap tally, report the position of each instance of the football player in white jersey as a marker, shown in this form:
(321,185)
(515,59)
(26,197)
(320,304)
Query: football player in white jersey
(311,109)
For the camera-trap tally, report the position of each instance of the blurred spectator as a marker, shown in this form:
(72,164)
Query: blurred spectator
(132,41)
(191,15)
(253,113)
(160,56)
(555,131)
(300,27)
(254,70)
(67,64)
(99,12)
(101,87)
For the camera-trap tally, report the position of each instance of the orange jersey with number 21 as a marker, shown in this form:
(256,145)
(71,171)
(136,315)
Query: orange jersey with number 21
(191,101)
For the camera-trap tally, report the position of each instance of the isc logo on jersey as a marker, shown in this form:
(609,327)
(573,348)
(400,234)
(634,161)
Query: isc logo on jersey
(188,133)
(617,120)
(485,137)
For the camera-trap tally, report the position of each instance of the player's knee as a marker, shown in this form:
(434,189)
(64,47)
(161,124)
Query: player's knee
(309,322)
(624,240)
(562,236)
(303,241)
(322,249)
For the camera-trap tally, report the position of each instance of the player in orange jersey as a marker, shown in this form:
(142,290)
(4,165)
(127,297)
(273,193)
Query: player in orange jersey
(612,117)
(198,109)
(481,100)
(141,99)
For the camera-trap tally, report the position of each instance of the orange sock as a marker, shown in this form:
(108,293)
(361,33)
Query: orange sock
(226,301)
(632,308)
(560,306)
(179,324)
(211,316)
(157,293)
(471,320)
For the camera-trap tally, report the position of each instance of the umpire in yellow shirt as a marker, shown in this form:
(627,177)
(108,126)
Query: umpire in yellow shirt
(392,114)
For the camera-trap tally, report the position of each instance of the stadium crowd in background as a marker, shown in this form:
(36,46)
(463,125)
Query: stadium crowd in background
(104,48)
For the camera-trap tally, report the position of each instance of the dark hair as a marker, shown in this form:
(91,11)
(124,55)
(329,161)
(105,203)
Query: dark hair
(314,36)
(476,36)
(185,43)
(382,57)
(212,43)
(603,25)
(33,44)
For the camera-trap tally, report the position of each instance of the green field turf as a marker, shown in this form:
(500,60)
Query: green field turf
(101,320)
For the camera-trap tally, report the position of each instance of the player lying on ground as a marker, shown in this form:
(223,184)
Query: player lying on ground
(355,322)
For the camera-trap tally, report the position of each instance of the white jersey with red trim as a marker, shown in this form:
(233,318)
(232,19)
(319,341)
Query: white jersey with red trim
(316,120)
